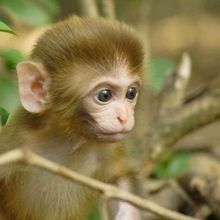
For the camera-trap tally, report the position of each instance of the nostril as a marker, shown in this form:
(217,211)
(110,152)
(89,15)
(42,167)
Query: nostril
(121,119)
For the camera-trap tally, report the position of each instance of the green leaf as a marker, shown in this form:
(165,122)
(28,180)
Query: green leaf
(3,116)
(172,166)
(159,68)
(30,12)
(5,28)
(11,57)
(95,214)
(8,94)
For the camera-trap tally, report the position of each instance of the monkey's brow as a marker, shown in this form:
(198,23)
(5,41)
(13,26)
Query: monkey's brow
(116,85)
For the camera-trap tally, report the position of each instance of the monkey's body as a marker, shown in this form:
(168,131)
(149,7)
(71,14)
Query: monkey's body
(78,95)
(34,194)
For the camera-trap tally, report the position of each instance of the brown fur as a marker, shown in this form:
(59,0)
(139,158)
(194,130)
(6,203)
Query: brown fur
(74,52)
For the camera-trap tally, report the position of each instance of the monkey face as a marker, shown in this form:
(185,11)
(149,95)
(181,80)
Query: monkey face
(110,107)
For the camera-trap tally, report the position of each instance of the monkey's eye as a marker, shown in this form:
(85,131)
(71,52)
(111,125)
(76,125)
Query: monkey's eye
(104,95)
(131,93)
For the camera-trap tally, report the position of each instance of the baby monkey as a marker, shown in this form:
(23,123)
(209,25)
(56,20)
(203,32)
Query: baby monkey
(78,93)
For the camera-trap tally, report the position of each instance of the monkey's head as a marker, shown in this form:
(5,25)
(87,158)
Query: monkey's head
(85,74)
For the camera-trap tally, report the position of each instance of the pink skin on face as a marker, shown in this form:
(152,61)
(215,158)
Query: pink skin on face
(115,117)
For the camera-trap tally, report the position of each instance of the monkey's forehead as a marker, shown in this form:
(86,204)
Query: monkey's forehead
(91,41)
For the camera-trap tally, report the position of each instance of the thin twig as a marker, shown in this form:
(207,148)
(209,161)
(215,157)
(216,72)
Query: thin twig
(182,193)
(89,8)
(175,86)
(29,157)
(175,126)
(104,207)
(108,8)
(11,157)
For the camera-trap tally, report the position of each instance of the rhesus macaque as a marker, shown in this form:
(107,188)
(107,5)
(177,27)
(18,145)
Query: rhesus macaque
(78,93)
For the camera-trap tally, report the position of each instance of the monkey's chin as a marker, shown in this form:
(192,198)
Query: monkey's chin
(113,137)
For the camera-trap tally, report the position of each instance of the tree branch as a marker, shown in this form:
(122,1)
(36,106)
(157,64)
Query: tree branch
(175,86)
(89,8)
(174,126)
(176,119)
(104,207)
(108,8)
(29,157)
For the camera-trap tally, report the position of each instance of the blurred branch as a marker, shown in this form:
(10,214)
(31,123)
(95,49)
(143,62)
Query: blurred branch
(89,8)
(10,15)
(104,208)
(178,121)
(108,8)
(175,86)
(110,192)
(200,179)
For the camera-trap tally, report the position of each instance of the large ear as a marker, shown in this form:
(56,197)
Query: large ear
(33,82)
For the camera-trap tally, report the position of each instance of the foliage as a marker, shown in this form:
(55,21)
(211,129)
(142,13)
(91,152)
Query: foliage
(11,57)
(159,68)
(172,166)
(33,12)
(94,215)
(5,28)
(8,94)
(3,116)
(8,89)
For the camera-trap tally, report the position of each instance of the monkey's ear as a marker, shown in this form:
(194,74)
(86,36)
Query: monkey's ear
(33,86)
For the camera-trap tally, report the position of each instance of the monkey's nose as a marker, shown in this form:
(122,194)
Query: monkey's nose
(122,119)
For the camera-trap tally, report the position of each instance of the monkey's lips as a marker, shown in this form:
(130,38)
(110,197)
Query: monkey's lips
(114,136)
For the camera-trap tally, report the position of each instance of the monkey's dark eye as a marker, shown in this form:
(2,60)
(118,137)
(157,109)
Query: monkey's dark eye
(104,95)
(131,93)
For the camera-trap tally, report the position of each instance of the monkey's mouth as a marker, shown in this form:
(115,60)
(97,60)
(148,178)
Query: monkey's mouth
(114,136)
